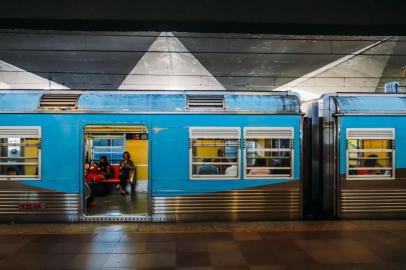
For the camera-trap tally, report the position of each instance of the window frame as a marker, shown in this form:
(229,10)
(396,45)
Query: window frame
(39,165)
(109,137)
(291,148)
(370,137)
(219,176)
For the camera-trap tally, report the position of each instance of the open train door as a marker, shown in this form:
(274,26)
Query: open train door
(120,192)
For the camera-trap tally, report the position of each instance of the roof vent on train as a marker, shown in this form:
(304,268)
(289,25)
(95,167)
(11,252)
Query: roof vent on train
(205,102)
(59,101)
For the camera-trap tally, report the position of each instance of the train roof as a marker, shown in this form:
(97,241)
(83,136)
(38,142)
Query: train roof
(31,101)
(369,103)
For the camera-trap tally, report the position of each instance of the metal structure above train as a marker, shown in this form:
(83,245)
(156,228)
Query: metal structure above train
(368,103)
(23,101)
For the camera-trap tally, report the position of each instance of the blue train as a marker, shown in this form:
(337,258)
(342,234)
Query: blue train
(357,147)
(197,155)
(216,155)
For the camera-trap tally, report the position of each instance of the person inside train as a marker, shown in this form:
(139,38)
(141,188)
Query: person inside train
(231,170)
(259,170)
(91,175)
(207,169)
(93,172)
(127,168)
(371,162)
(279,162)
(105,169)
(220,158)
(11,171)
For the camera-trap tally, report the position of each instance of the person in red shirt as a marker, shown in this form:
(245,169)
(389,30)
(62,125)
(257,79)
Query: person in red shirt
(93,173)
(91,177)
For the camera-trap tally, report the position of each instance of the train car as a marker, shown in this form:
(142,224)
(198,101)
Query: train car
(197,155)
(359,166)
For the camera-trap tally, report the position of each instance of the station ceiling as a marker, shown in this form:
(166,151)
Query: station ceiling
(361,17)
(310,64)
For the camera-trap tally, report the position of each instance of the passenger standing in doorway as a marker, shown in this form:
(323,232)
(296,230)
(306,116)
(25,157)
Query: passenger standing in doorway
(126,168)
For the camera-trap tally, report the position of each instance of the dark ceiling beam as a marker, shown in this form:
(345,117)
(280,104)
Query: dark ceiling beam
(359,17)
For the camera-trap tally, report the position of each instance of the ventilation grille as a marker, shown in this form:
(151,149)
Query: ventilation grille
(366,133)
(20,132)
(264,133)
(59,101)
(214,133)
(205,102)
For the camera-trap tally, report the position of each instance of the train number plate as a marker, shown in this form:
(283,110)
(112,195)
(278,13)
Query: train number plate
(32,206)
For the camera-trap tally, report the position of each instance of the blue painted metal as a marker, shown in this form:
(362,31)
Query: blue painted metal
(371,104)
(282,103)
(177,103)
(132,103)
(62,148)
(138,102)
(396,122)
(26,102)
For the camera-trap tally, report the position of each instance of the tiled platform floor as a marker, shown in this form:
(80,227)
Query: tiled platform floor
(283,246)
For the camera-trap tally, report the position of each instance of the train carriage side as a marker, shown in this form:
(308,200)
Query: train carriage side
(40,162)
(363,169)
(240,160)
(231,166)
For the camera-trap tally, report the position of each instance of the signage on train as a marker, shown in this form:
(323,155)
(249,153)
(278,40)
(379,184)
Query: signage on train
(136,136)
(32,206)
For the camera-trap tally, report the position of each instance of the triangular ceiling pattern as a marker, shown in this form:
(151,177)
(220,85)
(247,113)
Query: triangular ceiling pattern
(168,65)
(359,71)
(12,77)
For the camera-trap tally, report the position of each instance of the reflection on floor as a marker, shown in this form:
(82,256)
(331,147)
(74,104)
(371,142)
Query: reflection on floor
(116,246)
(115,204)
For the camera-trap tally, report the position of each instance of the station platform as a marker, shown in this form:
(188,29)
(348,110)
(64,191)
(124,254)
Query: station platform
(367,244)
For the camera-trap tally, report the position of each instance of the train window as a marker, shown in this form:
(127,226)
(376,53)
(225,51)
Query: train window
(268,153)
(214,153)
(370,154)
(111,146)
(20,153)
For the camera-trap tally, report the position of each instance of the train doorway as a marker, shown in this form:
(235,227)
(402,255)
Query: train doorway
(116,171)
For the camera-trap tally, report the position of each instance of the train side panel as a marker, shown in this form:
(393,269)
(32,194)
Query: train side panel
(377,197)
(176,197)
(58,194)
